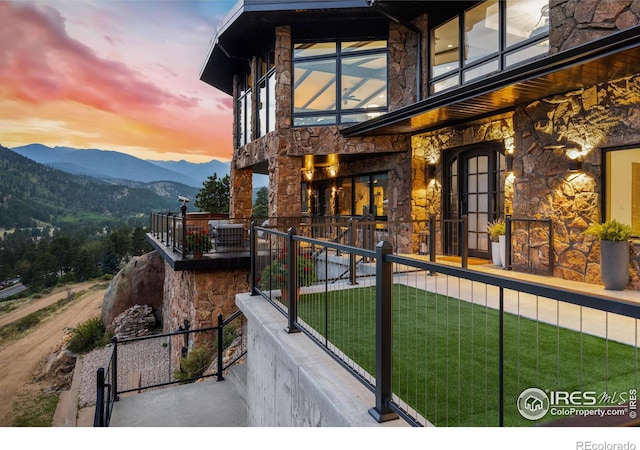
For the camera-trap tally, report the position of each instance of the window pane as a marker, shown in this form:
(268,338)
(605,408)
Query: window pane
(445,84)
(481,70)
(363,45)
(315,86)
(623,187)
(364,81)
(530,52)
(380,195)
(481,25)
(359,117)
(526,19)
(314,121)
(314,49)
(345,197)
(262,108)
(272,101)
(445,47)
(249,116)
(241,124)
(362,195)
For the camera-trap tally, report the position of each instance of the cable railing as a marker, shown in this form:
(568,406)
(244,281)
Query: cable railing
(447,346)
(156,361)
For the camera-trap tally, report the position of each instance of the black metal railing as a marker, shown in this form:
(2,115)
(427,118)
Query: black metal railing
(454,349)
(161,364)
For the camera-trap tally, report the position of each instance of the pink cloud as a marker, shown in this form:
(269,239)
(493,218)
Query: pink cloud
(40,63)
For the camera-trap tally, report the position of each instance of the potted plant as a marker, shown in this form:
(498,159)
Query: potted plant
(497,230)
(197,242)
(614,252)
(276,274)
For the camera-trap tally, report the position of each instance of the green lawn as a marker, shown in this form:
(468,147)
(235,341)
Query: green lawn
(446,353)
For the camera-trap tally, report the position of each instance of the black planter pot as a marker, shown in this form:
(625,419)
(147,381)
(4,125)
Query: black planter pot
(614,264)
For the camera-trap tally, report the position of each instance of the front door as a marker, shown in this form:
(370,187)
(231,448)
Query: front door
(475,188)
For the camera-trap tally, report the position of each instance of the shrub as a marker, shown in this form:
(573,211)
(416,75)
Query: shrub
(611,230)
(195,362)
(87,336)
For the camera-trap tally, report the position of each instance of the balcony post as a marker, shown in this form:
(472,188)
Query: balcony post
(384,334)
(292,282)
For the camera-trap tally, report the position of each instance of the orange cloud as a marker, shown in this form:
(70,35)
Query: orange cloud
(47,72)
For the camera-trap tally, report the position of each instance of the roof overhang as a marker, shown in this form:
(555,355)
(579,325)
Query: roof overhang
(612,57)
(250,27)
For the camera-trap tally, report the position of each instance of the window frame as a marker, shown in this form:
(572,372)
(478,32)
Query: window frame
(501,56)
(605,193)
(338,115)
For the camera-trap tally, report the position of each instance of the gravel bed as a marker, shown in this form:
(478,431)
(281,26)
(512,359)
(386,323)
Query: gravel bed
(150,358)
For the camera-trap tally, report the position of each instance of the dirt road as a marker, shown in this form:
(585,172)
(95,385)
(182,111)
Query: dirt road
(19,359)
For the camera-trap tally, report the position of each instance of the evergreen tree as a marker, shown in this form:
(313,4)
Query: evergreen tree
(214,195)
(261,205)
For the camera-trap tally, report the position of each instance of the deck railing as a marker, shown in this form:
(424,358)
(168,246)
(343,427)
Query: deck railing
(126,371)
(446,346)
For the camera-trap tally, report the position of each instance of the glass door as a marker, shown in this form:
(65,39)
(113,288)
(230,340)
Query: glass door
(475,188)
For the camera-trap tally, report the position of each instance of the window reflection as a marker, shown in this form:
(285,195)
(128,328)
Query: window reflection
(321,97)
(496,35)
(481,31)
(623,187)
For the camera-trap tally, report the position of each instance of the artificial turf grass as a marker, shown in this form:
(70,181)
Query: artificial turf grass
(445,353)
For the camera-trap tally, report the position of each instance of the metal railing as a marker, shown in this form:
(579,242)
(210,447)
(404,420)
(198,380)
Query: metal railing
(200,233)
(459,348)
(127,371)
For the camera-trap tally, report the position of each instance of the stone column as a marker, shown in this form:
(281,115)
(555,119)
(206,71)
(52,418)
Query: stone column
(241,195)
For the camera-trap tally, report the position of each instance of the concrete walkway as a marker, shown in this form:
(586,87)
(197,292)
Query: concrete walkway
(208,403)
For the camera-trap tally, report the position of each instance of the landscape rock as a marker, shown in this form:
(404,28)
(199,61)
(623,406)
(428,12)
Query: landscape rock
(57,369)
(140,282)
(135,322)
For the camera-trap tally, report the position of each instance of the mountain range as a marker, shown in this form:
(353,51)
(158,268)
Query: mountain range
(108,164)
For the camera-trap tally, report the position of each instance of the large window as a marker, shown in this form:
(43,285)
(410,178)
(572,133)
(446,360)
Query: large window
(266,94)
(339,82)
(622,187)
(253,121)
(244,115)
(492,36)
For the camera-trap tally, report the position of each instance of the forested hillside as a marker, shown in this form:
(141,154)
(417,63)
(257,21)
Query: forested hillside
(32,194)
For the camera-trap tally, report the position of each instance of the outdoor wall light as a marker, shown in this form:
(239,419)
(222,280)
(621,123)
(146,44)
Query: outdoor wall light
(509,161)
(431,172)
(575,156)
(308,174)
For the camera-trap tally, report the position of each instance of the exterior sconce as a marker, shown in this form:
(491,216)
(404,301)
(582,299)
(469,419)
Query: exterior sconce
(308,174)
(431,172)
(575,156)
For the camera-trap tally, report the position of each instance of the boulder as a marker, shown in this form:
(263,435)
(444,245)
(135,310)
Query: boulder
(140,282)
(134,322)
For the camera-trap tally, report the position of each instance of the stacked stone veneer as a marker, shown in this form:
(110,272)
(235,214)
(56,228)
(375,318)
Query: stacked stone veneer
(284,149)
(602,116)
(429,148)
(198,297)
(575,22)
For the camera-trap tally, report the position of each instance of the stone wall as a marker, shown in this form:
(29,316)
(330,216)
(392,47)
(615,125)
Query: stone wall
(602,116)
(198,297)
(429,148)
(575,22)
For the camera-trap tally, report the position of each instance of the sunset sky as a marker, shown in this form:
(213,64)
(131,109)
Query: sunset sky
(114,75)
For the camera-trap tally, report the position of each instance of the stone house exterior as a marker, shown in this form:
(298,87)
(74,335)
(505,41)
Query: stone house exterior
(407,109)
